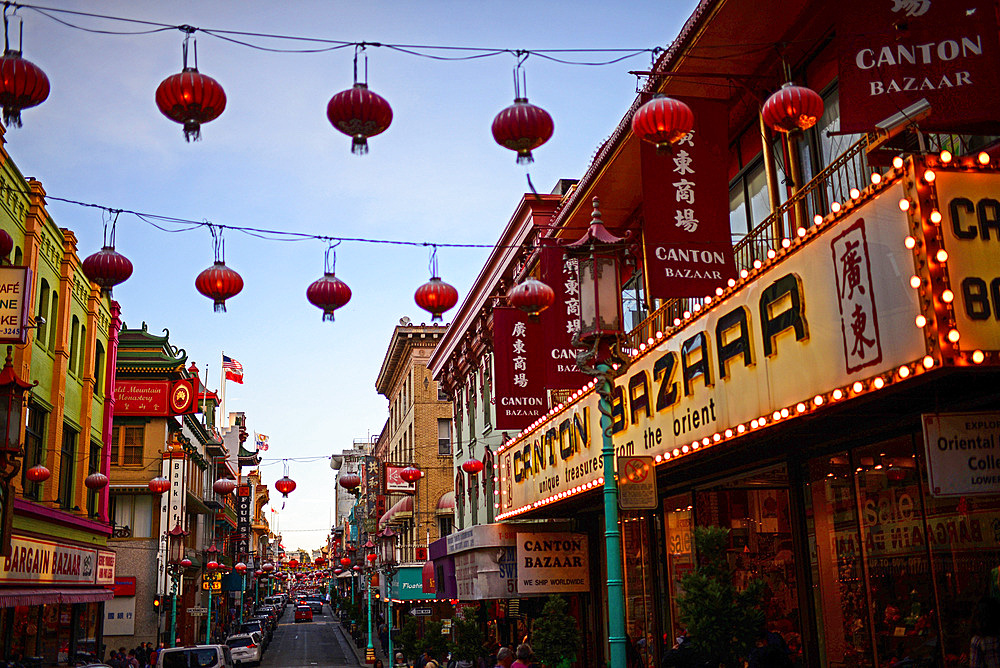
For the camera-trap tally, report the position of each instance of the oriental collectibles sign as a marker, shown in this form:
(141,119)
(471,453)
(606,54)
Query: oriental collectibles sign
(837,310)
(550,563)
(38,561)
(894,53)
(963,453)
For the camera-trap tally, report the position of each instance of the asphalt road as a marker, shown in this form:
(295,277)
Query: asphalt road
(321,642)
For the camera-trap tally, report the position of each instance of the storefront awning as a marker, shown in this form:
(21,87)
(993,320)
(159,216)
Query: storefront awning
(402,509)
(39,596)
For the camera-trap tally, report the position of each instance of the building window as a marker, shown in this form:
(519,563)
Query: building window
(42,313)
(446,524)
(749,204)
(444,436)
(34,437)
(93,466)
(74,340)
(82,352)
(53,320)
(126,445)
(489,471)
(460,500)
(132,512)
(442,395)
(67,467)
(634,301)
(458,422)
(98,368)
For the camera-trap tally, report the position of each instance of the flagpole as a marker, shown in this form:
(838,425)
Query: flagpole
(222,407)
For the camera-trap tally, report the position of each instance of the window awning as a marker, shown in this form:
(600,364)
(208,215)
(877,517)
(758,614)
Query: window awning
(402,508)
(14,597)
(446,503)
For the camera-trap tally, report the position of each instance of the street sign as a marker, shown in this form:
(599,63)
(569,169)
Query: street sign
(197,612)
(636,483)
(421,612)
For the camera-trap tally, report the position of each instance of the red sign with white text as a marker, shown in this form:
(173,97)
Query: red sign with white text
(519,368)
(561,320)
(154,397)
(902,51)
(685,195)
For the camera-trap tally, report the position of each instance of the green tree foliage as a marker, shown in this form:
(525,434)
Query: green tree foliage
(555,636)
(433,641)
(467,635)
(408,641)
(723,623)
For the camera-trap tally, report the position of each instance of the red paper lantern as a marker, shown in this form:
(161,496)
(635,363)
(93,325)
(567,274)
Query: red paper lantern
(6,244)
(224,486)
(338,571)
(212,565)
(472,465)
(285,485)
(22,84)
(359,113)
(268,567)
(240,568)
(38,473)
(792,108)
(522,127)
(411,474)
(190,98)
(219,283)
(186,563)
(328,293)
(372,557)
(345,562)
(436,297)
(294,563)
(258,572)
(663,121)
(895,474)
(96,480)
(320,561)
(531,296)
(159,485)
(350,480)
(357,568)
(107,268)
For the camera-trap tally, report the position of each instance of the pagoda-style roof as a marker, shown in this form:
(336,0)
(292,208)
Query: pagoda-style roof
(143,353)
(248,458)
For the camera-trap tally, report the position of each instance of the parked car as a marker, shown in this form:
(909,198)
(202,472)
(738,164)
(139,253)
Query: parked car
(196,656)
(316,605)
(256,626)
(303,613)
(245,649)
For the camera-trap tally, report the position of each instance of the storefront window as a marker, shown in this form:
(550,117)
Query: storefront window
(640,611)
(678,529)
(840,599)
(25,638)
(759,519)
(56,628)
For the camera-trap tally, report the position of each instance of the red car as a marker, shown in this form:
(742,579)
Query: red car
(303,613)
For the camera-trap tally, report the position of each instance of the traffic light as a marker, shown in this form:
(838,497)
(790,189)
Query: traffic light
(157,604)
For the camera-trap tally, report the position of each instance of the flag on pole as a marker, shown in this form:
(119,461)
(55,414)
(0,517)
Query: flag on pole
(233,369)
(261,440)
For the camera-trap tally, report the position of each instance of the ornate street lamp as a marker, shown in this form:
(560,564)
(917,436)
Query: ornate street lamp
(598,255)
(211,566)
(176,563)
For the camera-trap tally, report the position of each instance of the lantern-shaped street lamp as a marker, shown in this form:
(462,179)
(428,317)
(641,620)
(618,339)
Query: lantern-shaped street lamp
(176,565)
(12,391)
(598,253)
(175,544)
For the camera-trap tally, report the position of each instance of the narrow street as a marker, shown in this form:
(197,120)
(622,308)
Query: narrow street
(321,642)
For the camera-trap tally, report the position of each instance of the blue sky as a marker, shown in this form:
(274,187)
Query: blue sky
(273,161)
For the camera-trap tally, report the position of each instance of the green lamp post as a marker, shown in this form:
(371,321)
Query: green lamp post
(598,254)
(176,564)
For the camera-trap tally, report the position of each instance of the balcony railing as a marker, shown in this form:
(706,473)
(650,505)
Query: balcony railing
(832,184)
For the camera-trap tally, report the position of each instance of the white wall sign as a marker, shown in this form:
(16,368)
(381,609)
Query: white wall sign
(549,563)
(963,453)
(119,616)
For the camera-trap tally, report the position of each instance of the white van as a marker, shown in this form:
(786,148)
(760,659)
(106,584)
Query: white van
(196,656)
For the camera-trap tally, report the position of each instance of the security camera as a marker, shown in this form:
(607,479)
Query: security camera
(914,113)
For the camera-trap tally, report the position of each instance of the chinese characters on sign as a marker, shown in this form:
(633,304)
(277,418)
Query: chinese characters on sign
(561,320)
(519,367)
(688,244)
(856,297)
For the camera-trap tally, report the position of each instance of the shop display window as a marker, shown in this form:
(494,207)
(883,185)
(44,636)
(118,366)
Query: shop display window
(640,609)
(759,519)
(25,636)
(840,598)
(678,529)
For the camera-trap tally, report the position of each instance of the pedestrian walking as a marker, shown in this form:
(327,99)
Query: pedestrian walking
(505,658)
(523,656)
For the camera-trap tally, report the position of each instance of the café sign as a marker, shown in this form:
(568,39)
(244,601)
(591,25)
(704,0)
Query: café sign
(15,283)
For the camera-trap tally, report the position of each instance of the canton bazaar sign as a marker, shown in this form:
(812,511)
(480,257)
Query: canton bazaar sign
(837,310)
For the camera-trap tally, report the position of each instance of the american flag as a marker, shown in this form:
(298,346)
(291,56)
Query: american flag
(233,369)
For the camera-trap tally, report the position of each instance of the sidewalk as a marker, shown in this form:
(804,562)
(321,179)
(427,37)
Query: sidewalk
(360,652)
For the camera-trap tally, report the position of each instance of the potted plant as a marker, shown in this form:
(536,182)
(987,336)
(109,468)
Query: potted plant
(555,636)
(467,637)
(722,622)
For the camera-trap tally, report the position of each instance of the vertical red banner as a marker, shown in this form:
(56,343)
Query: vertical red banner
(907,50)
(561,320)
(519,369)
(685,208)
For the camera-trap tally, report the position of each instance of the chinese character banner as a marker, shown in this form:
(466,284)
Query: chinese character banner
(519,368)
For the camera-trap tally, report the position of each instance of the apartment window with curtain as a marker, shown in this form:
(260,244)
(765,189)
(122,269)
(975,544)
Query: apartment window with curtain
(134,513)
(67,467)
(126,445)
(34,438)
(444,436)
